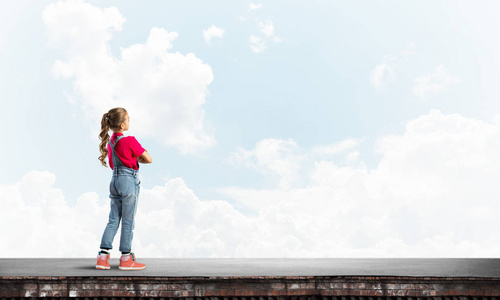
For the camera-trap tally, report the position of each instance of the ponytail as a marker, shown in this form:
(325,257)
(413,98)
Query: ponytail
(104,137)
(110,120)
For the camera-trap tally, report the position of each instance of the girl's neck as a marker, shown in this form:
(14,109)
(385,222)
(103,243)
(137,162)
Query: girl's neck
(119,131)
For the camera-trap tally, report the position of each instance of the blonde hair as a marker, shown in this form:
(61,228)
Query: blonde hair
(110,120)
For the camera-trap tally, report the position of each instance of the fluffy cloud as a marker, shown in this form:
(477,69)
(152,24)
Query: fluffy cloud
(164,91)
(170,222)
(433,83)
(212,32)
(433,194)
(266,27)
(385,73)
(48,226)
(257,44)
(260,43)
(338,147)
(272,156)
(255,6)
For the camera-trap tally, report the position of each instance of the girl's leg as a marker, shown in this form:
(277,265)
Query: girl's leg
(115,215)
(129,208)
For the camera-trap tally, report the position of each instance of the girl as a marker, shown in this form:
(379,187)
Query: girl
(124,155)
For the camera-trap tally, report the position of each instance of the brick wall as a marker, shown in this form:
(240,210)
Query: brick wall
(254,288)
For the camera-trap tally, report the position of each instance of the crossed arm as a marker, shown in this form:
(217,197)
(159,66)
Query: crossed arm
(145,158)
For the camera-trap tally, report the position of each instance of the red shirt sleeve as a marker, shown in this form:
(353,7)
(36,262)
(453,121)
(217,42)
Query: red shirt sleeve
(135,147)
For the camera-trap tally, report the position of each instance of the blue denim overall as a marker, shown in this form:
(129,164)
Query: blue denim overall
(124,194)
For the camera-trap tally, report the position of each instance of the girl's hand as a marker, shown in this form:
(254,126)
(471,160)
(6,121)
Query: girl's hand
(145,158)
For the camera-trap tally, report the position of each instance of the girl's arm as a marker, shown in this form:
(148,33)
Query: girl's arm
(145,158)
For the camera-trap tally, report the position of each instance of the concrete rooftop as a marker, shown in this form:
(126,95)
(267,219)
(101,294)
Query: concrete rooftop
(235,267)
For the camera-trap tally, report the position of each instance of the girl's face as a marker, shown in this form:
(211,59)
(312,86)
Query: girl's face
(124,126)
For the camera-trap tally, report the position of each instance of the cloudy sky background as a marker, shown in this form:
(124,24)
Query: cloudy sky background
(297,129)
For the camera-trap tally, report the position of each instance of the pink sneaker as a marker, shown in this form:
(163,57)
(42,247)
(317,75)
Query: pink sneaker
(103,261)
(128,263)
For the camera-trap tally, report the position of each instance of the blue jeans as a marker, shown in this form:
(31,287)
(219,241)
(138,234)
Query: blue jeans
(124,194)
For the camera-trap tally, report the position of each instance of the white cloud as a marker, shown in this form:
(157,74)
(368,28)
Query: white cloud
(431,195)
(48,226)
(255,6)
(257,44)
(189,227)
(170,222)
(348,148)
(272,156)
(212,32)
(266,27)
(336,148)
(385,73)
(163,91)
(434,83)
(382,75)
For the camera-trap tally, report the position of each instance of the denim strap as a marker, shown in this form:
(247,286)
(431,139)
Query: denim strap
(116,160)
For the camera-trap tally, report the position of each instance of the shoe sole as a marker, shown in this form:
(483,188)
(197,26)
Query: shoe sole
(131,268)
(102,267)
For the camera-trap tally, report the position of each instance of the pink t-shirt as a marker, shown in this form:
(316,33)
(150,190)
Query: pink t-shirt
(127,149)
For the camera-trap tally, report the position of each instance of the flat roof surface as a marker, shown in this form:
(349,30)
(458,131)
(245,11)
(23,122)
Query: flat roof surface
(241,267)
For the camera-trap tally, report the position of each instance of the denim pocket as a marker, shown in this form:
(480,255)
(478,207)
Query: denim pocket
(125,185)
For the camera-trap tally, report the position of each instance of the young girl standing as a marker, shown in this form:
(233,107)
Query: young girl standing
(124,155)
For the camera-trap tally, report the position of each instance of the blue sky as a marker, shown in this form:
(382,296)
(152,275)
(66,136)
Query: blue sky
(285,99)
